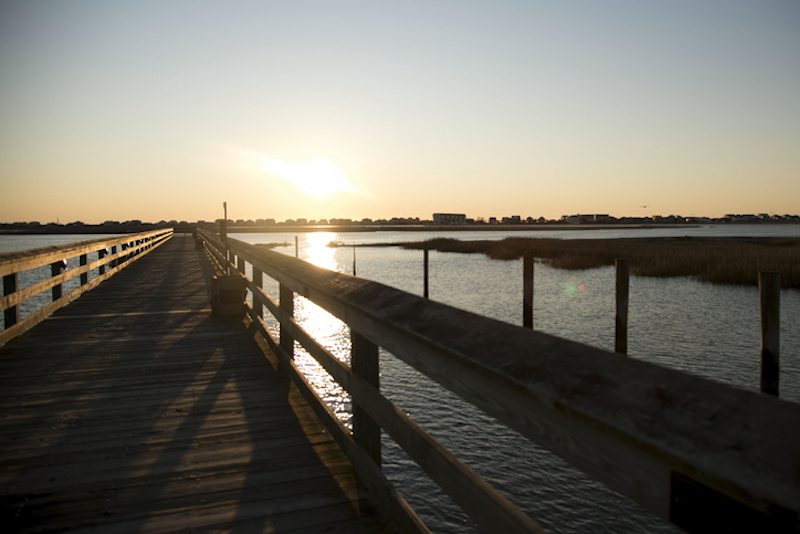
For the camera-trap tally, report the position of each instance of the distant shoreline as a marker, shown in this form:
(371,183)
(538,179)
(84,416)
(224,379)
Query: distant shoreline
(452,228)
(275,229)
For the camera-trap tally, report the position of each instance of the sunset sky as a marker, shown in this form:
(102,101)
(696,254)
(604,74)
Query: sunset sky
(164,109)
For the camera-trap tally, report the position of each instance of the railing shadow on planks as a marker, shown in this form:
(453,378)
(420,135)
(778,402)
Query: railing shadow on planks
(701,454)
(109,255)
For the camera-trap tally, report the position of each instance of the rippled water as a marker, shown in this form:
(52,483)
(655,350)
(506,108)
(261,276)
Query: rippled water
(709,330)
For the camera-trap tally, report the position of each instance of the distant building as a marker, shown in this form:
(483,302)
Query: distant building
(586,219)
(449,218)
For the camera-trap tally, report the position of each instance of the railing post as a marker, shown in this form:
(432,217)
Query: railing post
(240,264)
(10,315)
(425,292)
(100,255)
(623,285)
(114,261)
(296,248)
(769,289)
(364,361)
(223,235)
(258,280)
(84,259)
(56,268)
(527,290)
(286,296)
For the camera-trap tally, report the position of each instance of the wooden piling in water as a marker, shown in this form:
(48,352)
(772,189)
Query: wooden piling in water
(769,290)
(527,290)
(623,285)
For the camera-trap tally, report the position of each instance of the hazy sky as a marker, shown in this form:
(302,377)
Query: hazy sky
(318,109)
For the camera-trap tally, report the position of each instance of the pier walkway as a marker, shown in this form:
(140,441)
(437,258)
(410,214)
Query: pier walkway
(132,409)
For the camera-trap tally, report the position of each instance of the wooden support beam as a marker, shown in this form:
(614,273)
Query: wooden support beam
(769,288)
(365,363)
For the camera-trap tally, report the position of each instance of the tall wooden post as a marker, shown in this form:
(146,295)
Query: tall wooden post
(527,290)
(84,259)
(354,260)
(623,284)
(365,363)
(286,296)
(10,315)
(425,272)
(296,248)
(769,289)
(56,268)
(258,280)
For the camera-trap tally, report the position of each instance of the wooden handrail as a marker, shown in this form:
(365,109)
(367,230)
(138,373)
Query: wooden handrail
(681,446)
(13,263)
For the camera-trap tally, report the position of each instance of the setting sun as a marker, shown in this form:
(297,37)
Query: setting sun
(319,178)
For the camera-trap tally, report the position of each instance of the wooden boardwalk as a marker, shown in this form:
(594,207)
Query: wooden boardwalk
(133,410)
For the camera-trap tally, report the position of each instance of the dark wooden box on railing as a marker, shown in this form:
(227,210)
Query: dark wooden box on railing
(228,296)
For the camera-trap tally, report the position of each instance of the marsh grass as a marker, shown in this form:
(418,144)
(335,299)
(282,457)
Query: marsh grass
(720,261)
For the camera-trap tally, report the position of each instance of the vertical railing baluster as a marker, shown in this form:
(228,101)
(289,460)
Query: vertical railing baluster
(258,280)
(286,304)
(84,259)
(10,284)
(365,363)
(100,255)
(425,258)
(56,268)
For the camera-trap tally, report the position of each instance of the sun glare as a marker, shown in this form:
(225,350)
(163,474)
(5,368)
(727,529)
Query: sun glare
(318,178)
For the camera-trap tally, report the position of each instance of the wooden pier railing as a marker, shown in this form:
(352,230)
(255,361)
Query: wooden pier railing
(101,258)
(703,455)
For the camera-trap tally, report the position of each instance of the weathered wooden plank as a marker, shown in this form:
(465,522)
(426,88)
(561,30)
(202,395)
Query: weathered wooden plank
(132,410)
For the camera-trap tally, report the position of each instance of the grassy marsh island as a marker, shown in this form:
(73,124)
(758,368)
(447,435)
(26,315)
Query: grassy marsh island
(719,260)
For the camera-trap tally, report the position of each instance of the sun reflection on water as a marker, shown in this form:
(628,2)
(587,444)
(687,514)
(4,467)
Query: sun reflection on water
(327,330)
